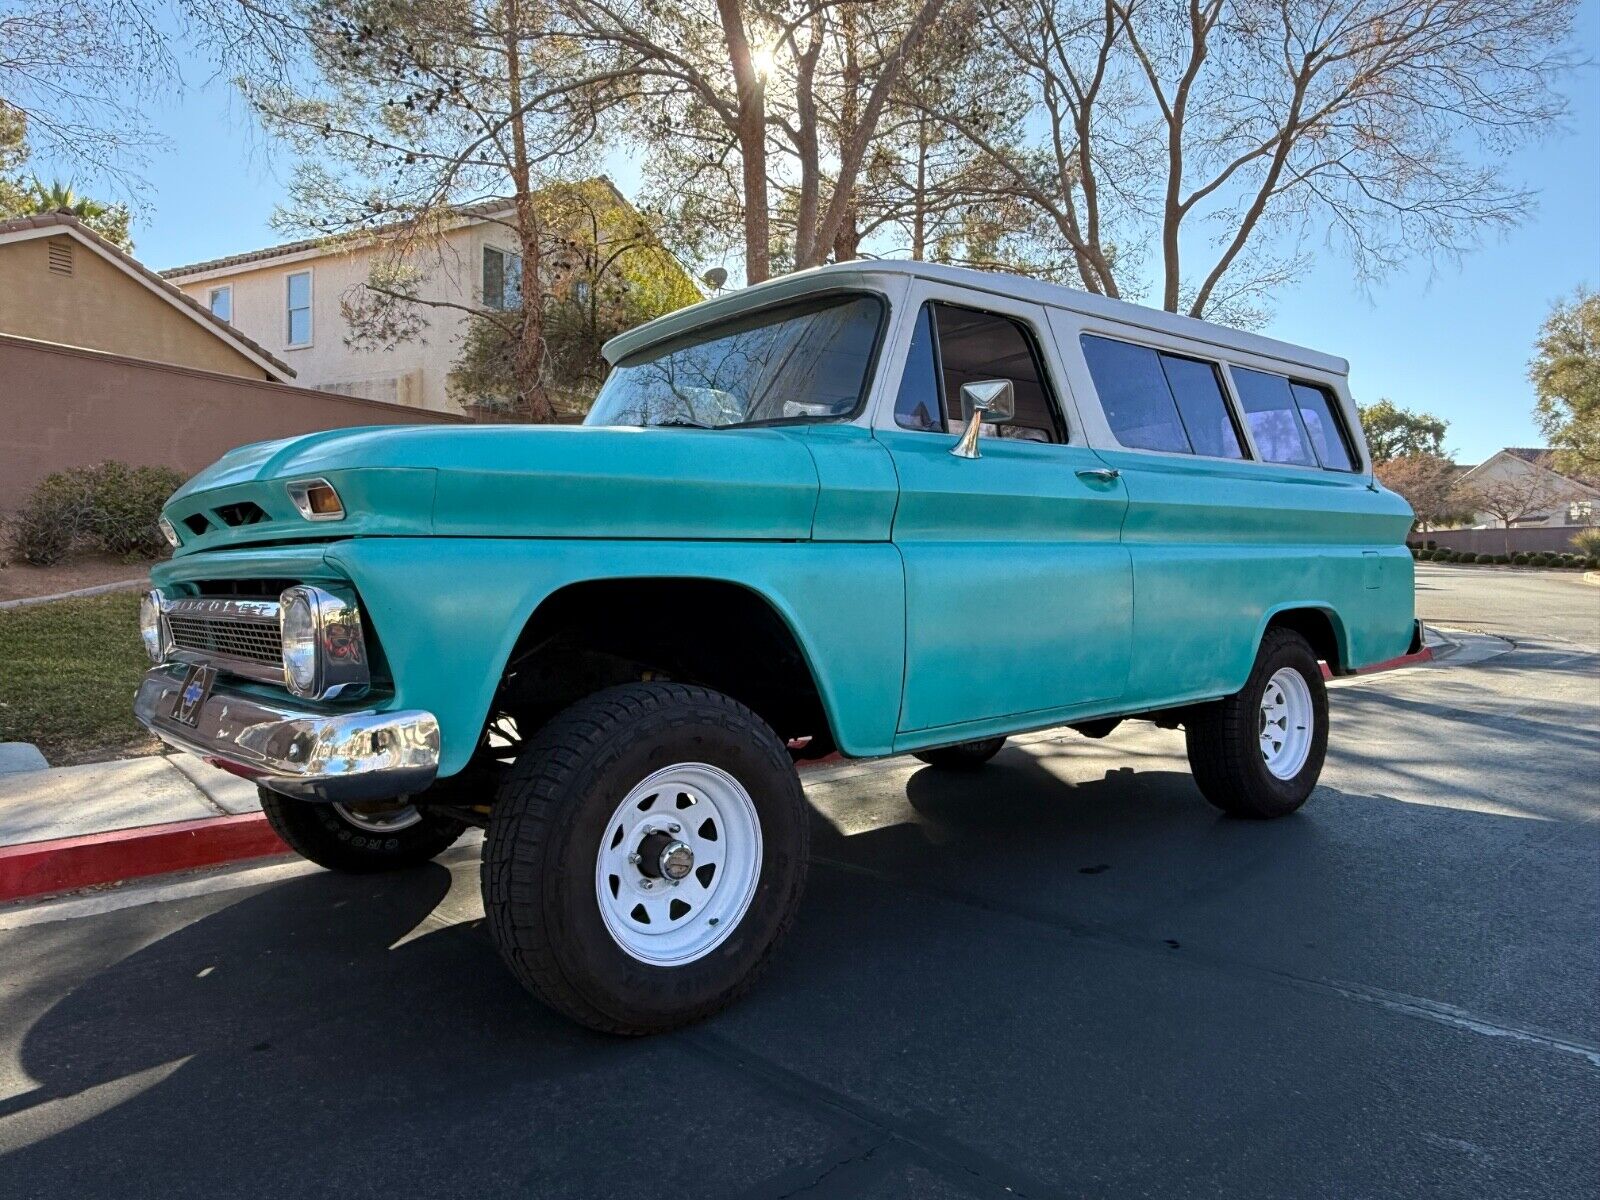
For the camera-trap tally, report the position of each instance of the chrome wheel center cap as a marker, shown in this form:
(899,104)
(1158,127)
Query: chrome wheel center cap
(676,861)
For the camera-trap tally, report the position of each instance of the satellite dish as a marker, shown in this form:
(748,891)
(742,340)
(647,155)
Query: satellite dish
(715,278)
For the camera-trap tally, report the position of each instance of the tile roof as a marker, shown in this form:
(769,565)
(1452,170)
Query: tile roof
(74,227)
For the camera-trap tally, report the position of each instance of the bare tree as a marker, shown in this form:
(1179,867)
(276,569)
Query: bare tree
(1510,497)
(1217,136)
(80,71)
(1428,483)
(742,92)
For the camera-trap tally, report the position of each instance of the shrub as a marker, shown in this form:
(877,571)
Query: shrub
(111,508)
(1502,559)
(1485,558)
(1425,555)
(1520,559)
(1587,542)
(1541,560)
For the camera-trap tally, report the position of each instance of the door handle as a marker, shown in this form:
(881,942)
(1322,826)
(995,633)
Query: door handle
(1099,474)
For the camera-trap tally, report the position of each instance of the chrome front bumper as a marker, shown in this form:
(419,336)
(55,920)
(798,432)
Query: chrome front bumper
(363,755)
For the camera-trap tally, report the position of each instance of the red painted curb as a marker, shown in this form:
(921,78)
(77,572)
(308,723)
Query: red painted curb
(1405,660)
(66,864)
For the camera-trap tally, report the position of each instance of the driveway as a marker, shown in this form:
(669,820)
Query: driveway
(1064,976)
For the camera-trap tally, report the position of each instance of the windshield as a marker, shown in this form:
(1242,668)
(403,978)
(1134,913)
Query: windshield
(805,361)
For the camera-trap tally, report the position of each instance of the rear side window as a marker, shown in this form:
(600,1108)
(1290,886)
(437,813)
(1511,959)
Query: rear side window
(1158,401)
(1294,423)
(1274,418)
(952,346)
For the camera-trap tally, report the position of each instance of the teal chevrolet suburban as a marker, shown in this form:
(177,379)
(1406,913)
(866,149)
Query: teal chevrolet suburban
(872,509)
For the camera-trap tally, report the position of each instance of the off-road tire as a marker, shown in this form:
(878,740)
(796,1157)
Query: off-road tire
(964,756)
(552,811)
(1223,737)
(318,831)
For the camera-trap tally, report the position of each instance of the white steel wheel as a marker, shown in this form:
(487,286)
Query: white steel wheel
(380,816)
(1287,723)
(678,864)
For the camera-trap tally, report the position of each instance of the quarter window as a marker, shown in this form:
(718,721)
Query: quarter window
(298,299)
(917,405)
(1158,401)
(952,346)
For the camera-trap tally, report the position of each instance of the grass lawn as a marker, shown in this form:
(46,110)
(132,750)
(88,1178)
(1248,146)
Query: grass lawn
(68,671)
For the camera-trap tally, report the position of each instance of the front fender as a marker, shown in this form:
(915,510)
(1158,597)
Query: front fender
(448,611)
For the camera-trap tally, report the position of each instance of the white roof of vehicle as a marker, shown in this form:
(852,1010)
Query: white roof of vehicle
(1017,287)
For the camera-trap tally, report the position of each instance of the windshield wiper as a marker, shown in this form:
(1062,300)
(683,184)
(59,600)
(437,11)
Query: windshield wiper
(683,423)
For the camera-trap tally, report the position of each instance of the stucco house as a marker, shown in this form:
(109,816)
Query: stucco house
(1527,478)
(62,283)
(291,299)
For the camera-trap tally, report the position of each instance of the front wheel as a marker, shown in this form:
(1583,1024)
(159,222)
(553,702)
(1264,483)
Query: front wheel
(645,856)
(359,839)
(1259,752)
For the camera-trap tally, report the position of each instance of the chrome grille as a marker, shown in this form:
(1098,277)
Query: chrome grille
(237,633)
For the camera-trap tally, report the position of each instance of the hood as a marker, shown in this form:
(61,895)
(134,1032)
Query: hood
(509,481)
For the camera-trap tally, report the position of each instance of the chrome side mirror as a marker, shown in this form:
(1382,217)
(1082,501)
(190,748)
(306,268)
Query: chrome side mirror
(988,400)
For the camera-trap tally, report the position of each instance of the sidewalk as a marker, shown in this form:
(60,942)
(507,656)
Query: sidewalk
(66,828)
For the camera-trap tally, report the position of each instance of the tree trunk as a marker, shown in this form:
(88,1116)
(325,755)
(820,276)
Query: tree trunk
(752,134)
(528,362)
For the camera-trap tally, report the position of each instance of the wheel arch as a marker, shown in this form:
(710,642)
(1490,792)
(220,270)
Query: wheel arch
(762,654)
(1320,624)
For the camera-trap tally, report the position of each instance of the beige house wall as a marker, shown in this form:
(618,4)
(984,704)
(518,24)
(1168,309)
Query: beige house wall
(412,372)
(99,306)
(1558,492)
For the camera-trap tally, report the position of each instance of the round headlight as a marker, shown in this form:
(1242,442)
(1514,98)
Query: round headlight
(298,629)
(150,625)
(168,532)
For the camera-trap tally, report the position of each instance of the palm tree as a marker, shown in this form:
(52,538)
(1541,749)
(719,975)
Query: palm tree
(110,221)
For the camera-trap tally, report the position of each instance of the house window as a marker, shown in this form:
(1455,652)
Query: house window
(220,301)
(502,279)
(1580,512)
(298,301)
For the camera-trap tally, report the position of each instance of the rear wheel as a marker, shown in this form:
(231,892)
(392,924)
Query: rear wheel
(379,835)
(645,856)
(1259,752)
(964,756)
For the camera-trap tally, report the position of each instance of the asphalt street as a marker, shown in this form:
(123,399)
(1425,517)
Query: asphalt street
(1064,976)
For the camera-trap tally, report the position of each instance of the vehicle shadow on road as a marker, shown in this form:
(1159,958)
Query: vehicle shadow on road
(331,1034)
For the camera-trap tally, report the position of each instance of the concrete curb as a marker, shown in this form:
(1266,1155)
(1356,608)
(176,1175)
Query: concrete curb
(68,864)
(102,589)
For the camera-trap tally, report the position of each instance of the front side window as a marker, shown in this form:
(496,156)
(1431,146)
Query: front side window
(298,298)
(220,301)
(502,279)
(952,346)
(805,361)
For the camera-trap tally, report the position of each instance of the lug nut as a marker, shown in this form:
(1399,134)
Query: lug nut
(674,828)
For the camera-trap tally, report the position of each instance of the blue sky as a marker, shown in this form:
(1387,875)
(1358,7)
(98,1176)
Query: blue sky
(1452,339)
